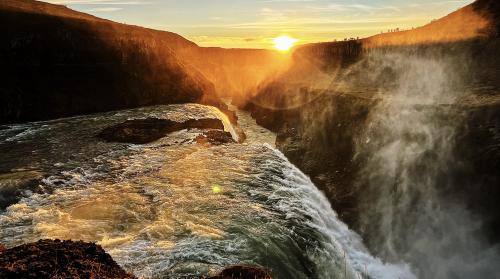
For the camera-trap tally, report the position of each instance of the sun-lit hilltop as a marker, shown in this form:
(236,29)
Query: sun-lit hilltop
(472,21)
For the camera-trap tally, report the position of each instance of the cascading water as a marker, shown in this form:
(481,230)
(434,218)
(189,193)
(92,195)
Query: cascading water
(174,208)
(409,166)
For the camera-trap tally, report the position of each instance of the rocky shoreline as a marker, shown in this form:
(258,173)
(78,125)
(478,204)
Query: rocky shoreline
(77,259)
(59,259)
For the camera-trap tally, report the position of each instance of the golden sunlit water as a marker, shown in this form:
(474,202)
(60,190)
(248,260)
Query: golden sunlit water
(174,208)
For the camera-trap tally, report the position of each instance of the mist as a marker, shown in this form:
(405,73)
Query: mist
(363,158)
(410,169)
(382,130)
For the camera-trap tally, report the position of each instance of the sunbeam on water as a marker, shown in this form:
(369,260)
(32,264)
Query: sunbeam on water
(174,208)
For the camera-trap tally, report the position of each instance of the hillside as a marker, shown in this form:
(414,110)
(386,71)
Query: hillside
(57,62)
(478,19)
(470,32)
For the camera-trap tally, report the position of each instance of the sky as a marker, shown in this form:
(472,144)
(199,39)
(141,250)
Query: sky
(254,23)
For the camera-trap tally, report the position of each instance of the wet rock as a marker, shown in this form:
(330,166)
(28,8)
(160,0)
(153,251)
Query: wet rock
(59,259)
(243,272)
(13,185)
(140,131)
(215,137)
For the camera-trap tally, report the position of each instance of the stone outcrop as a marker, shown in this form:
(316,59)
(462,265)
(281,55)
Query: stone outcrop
(140,131)
(77,259)
(242,272)
(59,259)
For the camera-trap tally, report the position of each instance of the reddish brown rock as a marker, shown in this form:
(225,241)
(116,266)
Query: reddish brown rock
(59,259)
(215,137)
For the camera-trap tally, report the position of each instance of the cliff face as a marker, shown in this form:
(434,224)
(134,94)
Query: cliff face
(57,62)
(343,108)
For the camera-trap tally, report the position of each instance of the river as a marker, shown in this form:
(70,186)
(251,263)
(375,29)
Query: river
(173,208)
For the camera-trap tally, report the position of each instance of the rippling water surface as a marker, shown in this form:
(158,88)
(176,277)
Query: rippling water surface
(175,209)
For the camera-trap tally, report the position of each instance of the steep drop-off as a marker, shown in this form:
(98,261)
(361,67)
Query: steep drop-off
(402,136)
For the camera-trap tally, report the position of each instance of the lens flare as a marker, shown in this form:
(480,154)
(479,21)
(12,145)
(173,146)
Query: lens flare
(216,189)
(284,43)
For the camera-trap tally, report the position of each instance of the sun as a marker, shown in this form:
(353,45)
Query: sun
(284,43)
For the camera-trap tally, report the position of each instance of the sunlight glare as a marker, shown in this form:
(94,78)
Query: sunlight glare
(284,43)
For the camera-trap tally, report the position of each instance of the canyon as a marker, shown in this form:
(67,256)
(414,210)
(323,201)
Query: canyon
(400,131)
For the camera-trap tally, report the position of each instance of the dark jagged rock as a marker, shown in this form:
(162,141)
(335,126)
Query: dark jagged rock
(323,147)
(59,259)
(243,272)
(140,131)
(215,137)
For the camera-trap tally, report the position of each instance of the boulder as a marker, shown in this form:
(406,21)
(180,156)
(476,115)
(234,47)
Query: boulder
(141,131)
(242,272)
(59,259)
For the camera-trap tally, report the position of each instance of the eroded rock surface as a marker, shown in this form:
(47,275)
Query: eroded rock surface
(59,259)
(141,131)
(215,137)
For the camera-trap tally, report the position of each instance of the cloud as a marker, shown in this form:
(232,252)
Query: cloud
(274,1)
(97,2)
(360,7)
(105,9)
(96,6)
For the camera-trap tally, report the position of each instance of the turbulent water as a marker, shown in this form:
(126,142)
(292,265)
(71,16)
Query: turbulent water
(174,208)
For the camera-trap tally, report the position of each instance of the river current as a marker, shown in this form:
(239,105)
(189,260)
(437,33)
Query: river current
(173,208)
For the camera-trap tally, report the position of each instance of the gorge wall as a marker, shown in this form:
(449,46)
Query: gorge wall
(402,136)
(57,62)
(401,131)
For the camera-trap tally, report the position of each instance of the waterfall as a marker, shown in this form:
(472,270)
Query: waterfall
(407,149)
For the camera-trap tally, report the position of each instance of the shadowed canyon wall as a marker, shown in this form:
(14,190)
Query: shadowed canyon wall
(58,62)
(401,132)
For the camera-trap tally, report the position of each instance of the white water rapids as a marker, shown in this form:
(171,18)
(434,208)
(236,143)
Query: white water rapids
(175,209)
